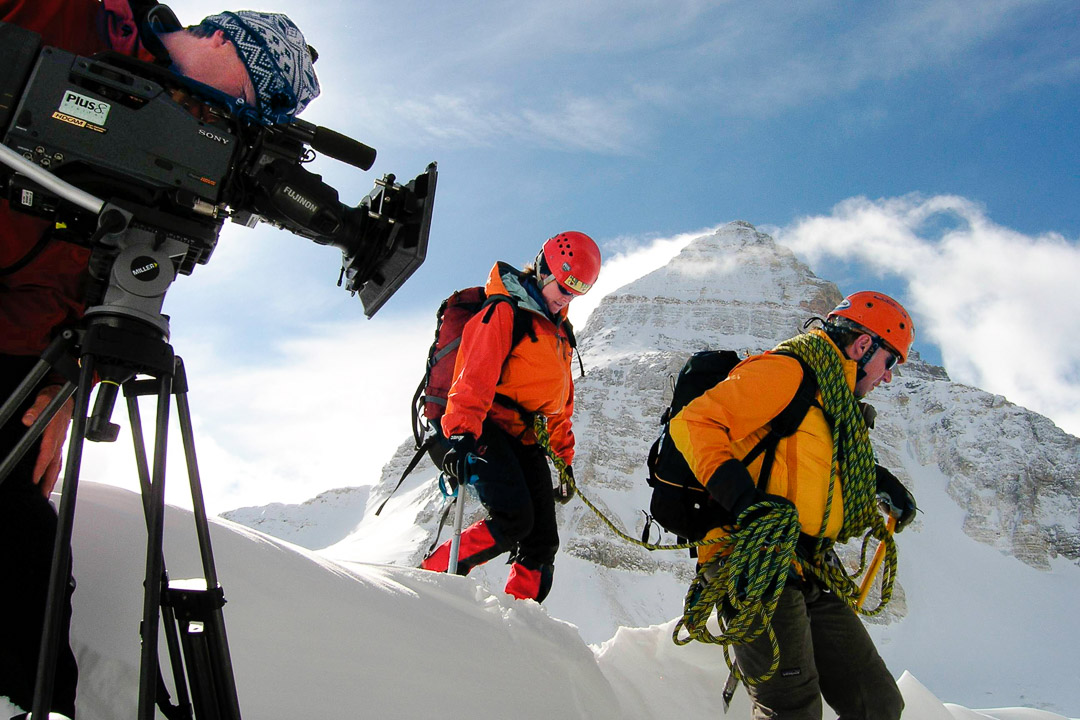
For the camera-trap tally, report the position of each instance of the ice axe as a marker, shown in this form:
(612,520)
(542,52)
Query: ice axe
(875,564)
(459,512)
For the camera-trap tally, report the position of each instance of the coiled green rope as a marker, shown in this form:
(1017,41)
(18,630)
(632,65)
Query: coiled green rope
(744,586)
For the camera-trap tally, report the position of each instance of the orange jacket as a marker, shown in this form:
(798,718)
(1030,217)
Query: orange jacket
(727,422)
(536,374)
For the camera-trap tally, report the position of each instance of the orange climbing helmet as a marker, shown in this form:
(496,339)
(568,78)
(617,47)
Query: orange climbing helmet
(573,260)
(880,315)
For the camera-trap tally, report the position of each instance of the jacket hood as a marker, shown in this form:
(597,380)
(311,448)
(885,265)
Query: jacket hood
(505,279)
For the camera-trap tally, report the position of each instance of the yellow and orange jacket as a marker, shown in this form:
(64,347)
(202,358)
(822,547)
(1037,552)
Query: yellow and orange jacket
(536,374)
(727,421)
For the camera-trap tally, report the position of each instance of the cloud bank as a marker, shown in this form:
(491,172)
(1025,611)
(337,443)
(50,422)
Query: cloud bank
(1000,304)
(602,77)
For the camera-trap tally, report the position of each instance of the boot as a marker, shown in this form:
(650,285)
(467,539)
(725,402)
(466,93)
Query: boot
(478,545)
(526,583)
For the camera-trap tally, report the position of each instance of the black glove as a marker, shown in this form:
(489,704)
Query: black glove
(455,460)
(900,501)
(564,492)
(732,488)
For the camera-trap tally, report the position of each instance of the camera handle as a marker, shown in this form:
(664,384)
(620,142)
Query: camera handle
(50,182)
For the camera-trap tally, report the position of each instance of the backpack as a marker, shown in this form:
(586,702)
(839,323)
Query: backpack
(429,400)
(681,504)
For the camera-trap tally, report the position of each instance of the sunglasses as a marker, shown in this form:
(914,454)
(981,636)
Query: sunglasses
(891,360)
(550,280)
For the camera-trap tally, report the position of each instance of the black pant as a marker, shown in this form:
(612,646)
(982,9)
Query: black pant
(514,484)
(825,651)
(27,535)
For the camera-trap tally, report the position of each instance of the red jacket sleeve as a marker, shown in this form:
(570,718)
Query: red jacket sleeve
(477,369)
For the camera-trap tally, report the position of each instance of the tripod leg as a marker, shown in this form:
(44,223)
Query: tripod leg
(224,680)
(61,561)
(168,614)
(154,563)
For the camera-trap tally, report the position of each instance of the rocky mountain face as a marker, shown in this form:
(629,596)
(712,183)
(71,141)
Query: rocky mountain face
(1014,474)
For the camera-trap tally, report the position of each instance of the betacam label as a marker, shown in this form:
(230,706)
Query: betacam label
(85,108)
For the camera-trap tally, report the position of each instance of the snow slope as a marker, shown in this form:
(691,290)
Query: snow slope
(310,637)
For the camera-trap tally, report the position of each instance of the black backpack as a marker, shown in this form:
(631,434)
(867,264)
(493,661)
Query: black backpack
(681,504)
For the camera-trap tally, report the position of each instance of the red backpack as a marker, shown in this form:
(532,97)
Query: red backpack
(429,400)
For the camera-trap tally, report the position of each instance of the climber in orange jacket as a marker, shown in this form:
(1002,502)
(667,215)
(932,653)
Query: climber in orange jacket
(499,386)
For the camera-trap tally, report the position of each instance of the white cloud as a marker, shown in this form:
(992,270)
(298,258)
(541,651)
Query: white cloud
(562,73)
(1000,304)
(475,117)
(329,412)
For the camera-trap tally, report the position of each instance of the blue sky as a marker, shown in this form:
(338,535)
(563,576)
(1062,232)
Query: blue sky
(927,148)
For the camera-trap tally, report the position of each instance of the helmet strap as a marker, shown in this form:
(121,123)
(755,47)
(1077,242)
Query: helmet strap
(544,276)
(875,345)
(835,330)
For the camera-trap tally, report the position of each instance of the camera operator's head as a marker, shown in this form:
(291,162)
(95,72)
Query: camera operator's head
(259,57)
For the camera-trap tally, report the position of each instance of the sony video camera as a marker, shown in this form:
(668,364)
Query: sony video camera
(176,158)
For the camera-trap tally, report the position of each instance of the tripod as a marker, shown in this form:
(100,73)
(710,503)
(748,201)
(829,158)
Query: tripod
(123,338)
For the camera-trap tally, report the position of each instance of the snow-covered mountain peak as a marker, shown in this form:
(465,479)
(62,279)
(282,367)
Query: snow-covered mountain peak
(736,282)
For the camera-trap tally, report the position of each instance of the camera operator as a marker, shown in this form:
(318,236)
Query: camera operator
(261,58)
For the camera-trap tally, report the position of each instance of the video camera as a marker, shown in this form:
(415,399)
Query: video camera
(175,158)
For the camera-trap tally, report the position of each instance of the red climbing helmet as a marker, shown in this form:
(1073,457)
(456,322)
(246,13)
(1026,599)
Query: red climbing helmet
(882,316)
(573,259)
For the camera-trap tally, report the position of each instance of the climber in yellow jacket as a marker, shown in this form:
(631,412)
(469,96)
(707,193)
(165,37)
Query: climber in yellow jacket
(826,470)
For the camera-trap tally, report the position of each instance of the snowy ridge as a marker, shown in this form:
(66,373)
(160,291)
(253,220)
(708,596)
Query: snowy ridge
(313,524)
(991,562)
(312,638)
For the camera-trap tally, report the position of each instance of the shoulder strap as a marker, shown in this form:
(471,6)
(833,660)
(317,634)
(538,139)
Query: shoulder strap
(786,422)
(569,333)
(522,324)
(573,343)
(31,254)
